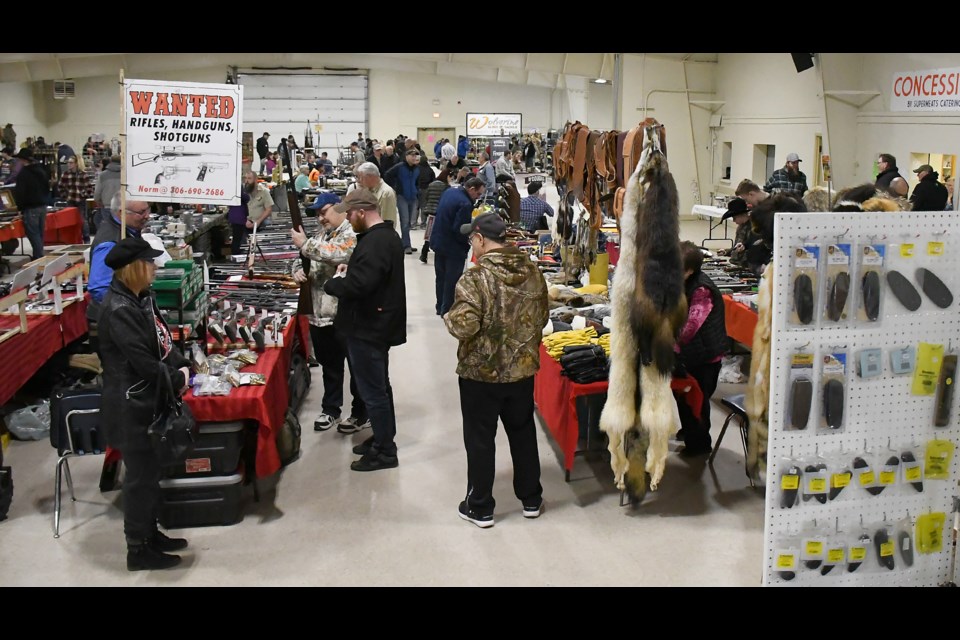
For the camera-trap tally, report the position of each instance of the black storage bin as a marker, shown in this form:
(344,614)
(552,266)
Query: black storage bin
(200,502)
(217,452)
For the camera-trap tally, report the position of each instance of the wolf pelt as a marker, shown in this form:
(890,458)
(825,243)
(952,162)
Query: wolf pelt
(758,386)
(649,308)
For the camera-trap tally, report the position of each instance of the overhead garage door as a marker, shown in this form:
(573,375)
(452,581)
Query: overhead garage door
(281,104)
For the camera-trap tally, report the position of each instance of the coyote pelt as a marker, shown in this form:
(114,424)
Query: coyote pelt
(758,386)
(649,308)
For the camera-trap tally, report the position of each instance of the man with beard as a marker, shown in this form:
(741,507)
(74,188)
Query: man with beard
(789,179)
(372,316)
(260,207)
(887,165)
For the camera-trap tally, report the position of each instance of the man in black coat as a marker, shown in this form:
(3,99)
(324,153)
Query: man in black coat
(372,316)
(929,194)
(887,164)
(263,150)
(32,195)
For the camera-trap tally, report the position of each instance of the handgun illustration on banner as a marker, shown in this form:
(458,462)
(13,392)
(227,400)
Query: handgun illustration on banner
(167,154)
(169,172)
(209,166)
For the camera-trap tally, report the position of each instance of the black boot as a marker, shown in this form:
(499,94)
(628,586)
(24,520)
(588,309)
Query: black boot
(164,543)
(424,251)
(143,555)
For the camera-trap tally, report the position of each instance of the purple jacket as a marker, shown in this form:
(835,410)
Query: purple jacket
(237,214)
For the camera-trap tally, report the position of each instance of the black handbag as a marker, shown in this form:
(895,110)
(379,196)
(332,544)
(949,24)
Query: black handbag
(174,431)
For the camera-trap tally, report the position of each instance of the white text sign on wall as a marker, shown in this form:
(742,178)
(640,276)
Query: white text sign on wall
(928,90)
(493,124)
(183,141)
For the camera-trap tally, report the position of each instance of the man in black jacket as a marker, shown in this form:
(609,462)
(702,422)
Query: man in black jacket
(929,194)
(372,316)
(32,194)
(263,150)
(887,164)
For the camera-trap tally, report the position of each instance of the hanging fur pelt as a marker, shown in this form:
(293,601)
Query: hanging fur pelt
(758,386)
(649,309)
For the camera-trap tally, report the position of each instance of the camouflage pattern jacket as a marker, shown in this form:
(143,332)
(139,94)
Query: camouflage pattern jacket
(498,314)
(326,250)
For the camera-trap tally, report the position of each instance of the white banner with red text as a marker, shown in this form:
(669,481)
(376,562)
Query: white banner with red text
(929,90)
(183,141)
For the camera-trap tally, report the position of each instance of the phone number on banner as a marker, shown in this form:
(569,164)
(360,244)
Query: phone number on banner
(196,191)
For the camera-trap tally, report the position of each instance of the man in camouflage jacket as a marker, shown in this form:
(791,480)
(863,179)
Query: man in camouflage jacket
(499,310)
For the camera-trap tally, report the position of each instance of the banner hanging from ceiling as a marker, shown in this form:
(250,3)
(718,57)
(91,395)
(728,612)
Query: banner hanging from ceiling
(183,141)
(484,125)
(930,90)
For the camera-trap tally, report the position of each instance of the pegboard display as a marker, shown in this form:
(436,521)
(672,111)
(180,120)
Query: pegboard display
(882,416)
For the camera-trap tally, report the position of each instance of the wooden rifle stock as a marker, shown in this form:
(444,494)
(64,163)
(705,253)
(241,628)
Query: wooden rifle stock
(305,301)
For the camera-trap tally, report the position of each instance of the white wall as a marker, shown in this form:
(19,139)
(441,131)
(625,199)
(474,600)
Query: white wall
(401,102)
(599,107)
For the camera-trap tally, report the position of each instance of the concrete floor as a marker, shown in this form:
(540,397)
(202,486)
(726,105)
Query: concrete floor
(320,524)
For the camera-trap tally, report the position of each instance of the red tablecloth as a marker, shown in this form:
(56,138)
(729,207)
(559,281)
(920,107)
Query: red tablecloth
(556,398)
(22,355)
(267,404)
(741,320)
(62,227)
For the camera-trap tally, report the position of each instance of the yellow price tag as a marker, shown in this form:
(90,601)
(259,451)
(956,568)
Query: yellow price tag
(835,555)
(906,250)
(867,478)
(817,485)
(935,248)
(786,561)
(840,480)
(886,549)
(814,548)
(888,477)
(790,482)
(857,554)
(802,359)
(913,473)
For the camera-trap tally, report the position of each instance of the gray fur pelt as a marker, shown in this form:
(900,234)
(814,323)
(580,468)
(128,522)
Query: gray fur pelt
(648,310)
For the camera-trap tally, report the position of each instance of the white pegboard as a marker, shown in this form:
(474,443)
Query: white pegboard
(878,410)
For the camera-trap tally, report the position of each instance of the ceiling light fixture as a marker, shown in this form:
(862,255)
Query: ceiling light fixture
(436,114)
(599,81)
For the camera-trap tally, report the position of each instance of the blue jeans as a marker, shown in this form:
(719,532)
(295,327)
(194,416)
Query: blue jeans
(448,270)
(370,366)
(34,220)
(408,212)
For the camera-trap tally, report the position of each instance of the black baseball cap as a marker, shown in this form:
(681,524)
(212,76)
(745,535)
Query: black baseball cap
(128,250)
(489,225)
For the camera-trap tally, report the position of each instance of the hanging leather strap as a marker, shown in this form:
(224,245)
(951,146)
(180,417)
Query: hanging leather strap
(579,160)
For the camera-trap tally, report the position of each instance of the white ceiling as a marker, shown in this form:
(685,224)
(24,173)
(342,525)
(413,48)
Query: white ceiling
(540,69)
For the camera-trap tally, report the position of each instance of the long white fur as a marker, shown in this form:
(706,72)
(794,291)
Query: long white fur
(758,387)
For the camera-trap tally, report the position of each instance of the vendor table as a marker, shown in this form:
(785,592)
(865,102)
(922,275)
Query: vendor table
(556,398)
(714,215)
(23,354)
(62,227)
(267,404)
(740,320)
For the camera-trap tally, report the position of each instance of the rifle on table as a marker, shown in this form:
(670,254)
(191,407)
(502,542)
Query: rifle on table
(305,302)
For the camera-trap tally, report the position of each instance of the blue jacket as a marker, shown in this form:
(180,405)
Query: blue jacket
(437,147)
(463,146)
(100,274)
(455,209)
(403,179)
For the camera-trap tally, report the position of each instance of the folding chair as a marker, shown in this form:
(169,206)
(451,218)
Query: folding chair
(737,412)
(74,431)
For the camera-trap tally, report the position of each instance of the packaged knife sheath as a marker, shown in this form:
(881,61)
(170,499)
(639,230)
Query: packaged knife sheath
(901,264)
(936,460)
(800,391)
(803,285)
(927,371)
(786,556)
(911,469)
(791,475)
(813,546)
(816,481)
(834,555)
(839,476)
(865,475)
(871,282)
(858,550)
(903,535)
(833,375)
(836,289)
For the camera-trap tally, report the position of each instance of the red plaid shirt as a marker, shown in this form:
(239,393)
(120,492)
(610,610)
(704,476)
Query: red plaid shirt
(74,186)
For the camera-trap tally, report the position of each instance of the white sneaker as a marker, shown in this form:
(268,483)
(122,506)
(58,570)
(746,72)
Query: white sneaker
(350,425)
(324,422)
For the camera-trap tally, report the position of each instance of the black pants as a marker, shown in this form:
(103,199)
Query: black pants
(481,404)
(697,435)
(370,367)
(141,494)
(81,206)
(448,270)
(239,235)
(331,352)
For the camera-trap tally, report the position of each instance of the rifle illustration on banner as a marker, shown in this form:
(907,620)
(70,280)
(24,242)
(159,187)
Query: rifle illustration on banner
(167,154)
(305,302)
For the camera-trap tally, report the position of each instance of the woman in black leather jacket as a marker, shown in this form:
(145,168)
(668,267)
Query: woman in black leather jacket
(134,344)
